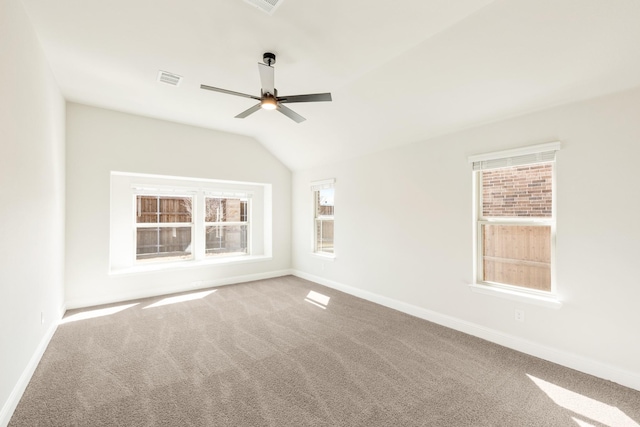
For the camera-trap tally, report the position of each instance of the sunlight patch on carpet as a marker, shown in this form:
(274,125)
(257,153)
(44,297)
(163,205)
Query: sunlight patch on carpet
(91,314)
(584,406)
(318,299)
(180,298)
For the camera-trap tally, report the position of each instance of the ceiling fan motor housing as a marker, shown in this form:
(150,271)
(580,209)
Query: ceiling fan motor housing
(269,58)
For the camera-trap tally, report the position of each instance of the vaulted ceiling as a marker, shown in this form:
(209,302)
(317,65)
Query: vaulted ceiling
(399,71)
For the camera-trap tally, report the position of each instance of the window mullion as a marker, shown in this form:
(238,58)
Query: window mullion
(199,230)
(519,221)
(163,224)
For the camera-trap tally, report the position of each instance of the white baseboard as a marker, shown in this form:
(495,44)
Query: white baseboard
(18,390)
(172,289)
(561,357)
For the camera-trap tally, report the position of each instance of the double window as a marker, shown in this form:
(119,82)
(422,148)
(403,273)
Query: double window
(323,216)
(515,218)
(166,226)
(156,220)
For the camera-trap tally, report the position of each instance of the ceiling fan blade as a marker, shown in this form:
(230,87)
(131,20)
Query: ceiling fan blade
(249,111)
(229,92)
(291,114)
(266,78)
(315,97)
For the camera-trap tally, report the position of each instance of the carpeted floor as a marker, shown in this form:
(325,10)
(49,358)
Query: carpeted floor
(270,353)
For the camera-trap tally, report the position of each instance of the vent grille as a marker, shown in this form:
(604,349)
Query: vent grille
(169,78)
(268,6)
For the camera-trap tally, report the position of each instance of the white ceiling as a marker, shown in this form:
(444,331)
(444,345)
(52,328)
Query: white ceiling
(399,71)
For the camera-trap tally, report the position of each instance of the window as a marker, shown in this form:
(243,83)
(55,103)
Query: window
(515,218)
(164,227)
(226,226)
(161,222)
(323,216)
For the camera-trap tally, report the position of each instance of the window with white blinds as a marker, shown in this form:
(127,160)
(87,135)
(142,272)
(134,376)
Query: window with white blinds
(515,227)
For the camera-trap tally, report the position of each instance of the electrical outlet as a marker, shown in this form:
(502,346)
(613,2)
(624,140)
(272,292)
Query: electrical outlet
(519,315)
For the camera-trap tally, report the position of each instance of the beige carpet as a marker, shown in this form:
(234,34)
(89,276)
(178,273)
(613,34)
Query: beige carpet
(268,353)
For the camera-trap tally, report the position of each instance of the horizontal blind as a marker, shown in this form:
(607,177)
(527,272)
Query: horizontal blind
(229,194)
(160,191)
(527,159)
(322,185)
(543,153)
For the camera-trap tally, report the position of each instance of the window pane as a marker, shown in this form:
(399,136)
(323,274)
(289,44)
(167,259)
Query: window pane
(161,209)
(147,209)
(324,235)
(324,202)
(518,255)
(219,209)
(519,191)
(163,242)
(226,240)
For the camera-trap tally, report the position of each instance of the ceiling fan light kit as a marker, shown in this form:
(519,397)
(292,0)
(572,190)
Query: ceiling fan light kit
(269,99)
(269,103)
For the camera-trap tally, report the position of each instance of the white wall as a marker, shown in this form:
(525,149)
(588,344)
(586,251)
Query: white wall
(100,141)
(32,203)
(404,234)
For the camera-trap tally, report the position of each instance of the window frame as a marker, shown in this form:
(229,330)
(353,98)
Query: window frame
(198,223)
(141,225)
(122,220)
(537,154)
(246,222)
(316,187)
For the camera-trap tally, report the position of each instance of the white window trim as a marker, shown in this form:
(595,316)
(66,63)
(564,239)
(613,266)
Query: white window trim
(324,255)
(529,155)
(516,152)
(510,294)
(120,260)
(323,184)
(193,263)
(317,186)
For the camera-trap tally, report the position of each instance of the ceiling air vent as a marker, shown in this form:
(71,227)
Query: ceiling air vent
(169,78)
(268,6)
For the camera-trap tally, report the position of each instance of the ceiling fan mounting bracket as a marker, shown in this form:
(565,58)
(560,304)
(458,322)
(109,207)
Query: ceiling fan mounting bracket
(269,58)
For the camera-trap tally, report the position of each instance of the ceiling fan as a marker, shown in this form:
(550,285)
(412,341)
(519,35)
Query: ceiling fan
(269,99)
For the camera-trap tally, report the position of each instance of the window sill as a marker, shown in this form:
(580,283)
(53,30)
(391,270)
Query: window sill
(179,265)
(550,301)
(327,257)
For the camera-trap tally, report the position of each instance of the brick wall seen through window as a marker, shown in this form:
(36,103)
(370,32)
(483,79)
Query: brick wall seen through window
(519,191)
